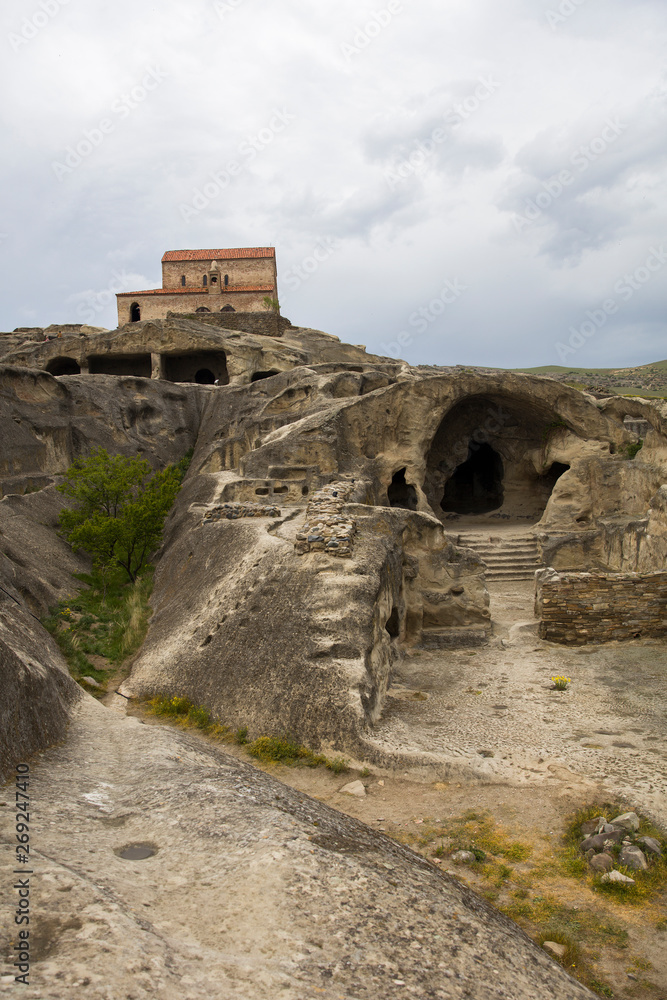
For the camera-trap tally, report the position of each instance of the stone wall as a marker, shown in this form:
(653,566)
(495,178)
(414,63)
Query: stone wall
(578,608)
(244,270)
(264,323)
(157,304)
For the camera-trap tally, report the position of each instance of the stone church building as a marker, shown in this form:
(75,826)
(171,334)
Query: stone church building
(205,281)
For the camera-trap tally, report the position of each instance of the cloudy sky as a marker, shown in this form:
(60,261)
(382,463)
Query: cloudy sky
(451,181)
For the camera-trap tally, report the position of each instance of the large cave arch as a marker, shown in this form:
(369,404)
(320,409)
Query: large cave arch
(487,460)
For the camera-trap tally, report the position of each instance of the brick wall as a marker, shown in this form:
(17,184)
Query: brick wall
(577,608)
(245,271)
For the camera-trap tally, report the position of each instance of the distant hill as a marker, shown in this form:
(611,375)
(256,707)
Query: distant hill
(642,380)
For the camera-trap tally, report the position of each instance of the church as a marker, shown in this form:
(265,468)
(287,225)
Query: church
(204,281)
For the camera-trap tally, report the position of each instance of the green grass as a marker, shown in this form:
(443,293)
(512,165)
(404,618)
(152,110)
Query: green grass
(648,885)
(268,749)
(107,619)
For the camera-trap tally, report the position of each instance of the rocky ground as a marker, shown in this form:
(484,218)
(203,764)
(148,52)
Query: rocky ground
(253,890)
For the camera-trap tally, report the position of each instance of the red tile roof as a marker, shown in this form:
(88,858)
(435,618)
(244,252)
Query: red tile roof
(219,254)
(198,291)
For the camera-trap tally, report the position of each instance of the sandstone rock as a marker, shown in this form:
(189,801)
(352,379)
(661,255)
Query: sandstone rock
(627,821)
(651,845)
(354,788)
(462,857)
(593,826)
(598,842)
(246,874)
(559,950)
(616,876)
(633,858)
(601,862)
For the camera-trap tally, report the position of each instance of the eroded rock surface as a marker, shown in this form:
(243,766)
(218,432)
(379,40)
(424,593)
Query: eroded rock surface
(254,890)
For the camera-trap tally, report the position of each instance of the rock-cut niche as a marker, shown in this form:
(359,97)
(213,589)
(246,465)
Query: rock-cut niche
(487,459)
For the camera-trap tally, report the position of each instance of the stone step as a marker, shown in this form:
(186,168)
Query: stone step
(455,638)
(517,574)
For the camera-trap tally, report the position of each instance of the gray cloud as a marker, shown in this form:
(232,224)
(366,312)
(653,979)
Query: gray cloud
(223,70)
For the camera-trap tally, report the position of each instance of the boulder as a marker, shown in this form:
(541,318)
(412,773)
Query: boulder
(651,845)
(354,788)
(633,858)
(598,842)
(601,862)
(627,821)
(616,876)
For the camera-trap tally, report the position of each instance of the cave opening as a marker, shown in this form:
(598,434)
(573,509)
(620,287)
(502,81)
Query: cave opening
(258,376)
(401,493)
(476,486)
(204,376)
(63,366)
(393,623)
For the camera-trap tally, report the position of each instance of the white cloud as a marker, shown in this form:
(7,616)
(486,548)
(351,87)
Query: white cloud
(453,215)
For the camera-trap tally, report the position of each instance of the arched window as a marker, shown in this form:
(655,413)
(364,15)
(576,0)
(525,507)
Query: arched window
(205,280)
(182,280)
(135,313)
(226,280)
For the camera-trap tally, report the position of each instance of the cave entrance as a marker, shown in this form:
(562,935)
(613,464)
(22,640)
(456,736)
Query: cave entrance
(476,486)
(401,493)
(203,367)
(63,366)
(258,376)
(138,365)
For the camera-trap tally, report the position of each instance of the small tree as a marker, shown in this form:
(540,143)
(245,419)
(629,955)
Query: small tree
(119,508)
(272,304)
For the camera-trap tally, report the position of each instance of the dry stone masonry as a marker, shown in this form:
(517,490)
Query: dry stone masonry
(326,528)
(232,511)
(577,608)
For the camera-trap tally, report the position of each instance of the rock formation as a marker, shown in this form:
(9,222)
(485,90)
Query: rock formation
(359,473)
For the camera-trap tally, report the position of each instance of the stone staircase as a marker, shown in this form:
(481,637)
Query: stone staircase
(508,556)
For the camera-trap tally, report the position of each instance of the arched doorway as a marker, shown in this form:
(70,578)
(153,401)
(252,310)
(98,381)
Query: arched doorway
(476,486)
(63,366)
(204,376)
(401,493)
(135,313)
(490,458)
